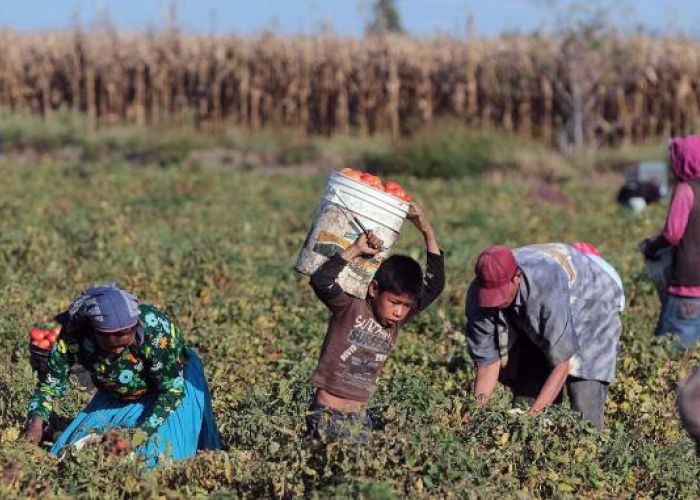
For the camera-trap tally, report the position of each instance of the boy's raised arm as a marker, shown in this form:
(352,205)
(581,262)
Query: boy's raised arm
(435,260)
(323,280)
(417,216)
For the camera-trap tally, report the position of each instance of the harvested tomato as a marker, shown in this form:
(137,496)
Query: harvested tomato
(394,189)
(352,173)
(43,344)
(390,187)
(397,192)
(372,180)
(37,334)
(120,445)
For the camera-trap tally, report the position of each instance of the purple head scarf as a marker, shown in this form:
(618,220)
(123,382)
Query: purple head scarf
(685,157)
(105,308)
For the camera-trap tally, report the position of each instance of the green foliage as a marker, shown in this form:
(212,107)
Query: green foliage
(25,130)
(616,159)
(216,250)
(166,145)
(450,149)
(385,18)
(447,148)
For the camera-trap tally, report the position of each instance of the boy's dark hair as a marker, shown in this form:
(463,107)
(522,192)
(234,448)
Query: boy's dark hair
(400,274)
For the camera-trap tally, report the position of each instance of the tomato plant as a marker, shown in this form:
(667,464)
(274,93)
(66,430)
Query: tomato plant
(216,250)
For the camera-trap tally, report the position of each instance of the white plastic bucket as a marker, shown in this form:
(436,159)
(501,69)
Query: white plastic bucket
(333,229)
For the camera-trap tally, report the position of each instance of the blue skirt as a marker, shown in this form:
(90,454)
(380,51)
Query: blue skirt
(680,316)
(189,428)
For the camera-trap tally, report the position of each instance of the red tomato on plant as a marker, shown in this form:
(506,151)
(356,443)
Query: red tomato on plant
(43,344)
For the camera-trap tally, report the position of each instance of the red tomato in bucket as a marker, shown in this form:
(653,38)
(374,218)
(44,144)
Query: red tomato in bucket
(372,180)
(390,187)
(37,334)
(351,173)
(398,193)
(394,189)
(54,334)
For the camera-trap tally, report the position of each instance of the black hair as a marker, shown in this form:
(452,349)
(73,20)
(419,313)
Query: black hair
(400,274)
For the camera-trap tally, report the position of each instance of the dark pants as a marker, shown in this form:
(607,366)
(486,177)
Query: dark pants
(528,369)
(327,423)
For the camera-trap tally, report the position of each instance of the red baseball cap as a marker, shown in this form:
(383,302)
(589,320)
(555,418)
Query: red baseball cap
(494,269)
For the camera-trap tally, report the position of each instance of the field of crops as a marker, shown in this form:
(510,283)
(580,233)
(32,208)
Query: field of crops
(591,86)
(216,250)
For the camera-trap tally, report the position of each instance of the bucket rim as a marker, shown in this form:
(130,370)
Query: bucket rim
(375,191)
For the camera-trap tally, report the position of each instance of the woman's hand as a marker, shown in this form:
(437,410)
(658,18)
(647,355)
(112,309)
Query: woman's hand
(35,430)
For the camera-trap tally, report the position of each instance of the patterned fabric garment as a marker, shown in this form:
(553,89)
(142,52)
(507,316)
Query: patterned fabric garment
(568,305)
(155,365)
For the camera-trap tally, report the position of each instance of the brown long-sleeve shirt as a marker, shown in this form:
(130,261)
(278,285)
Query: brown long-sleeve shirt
(356,345)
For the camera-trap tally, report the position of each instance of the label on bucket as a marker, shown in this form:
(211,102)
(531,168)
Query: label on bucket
(329,244)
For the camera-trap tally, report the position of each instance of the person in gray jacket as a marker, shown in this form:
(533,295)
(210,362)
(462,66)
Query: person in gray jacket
(541,317)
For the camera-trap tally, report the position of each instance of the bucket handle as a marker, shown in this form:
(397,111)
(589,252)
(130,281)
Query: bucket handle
(349,213)
(352,217)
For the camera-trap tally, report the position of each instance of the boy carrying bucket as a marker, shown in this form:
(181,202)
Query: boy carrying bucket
(362,333)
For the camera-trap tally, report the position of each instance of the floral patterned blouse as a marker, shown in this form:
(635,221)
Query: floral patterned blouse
(155,364)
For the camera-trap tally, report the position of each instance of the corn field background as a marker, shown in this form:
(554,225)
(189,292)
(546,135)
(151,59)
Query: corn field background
(580,89)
